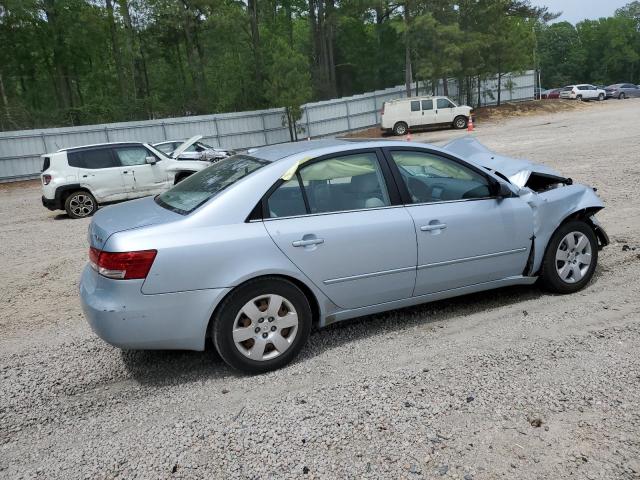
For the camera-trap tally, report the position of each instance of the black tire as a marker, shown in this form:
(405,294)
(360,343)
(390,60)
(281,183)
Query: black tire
(549,277)
(601,97)
(400,128)
(579,98)
(224,320)
(622,96)
(80,204)
(460,122)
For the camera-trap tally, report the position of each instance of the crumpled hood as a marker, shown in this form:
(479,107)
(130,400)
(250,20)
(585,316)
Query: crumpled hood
(126,216)
(516,170)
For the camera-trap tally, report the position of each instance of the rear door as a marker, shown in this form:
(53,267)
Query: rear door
(428,112)
(338,221)
(100,172)
(140,178)
(444,110)
(465,235)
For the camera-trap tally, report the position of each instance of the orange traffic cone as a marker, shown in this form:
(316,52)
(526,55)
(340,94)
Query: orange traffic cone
(409,136)
(470,124)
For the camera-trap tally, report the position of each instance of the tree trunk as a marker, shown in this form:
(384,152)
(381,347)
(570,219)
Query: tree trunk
(408,76)
(499,87)
(117,57)
(252,12)
(193,56)
(63,87)
(445,86)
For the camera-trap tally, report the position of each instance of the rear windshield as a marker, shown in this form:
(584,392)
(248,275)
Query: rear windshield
(196,189)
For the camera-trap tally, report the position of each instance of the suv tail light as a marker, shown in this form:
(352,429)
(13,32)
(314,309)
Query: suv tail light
(122,265)
(46,179)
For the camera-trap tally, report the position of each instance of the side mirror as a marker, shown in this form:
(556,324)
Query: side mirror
(502,190)
(151,160)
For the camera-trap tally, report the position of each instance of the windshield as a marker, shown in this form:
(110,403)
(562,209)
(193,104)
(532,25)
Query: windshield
(196,189)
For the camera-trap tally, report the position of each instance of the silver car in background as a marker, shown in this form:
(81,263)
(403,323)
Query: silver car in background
(197,150)
(255,249)
(622,91)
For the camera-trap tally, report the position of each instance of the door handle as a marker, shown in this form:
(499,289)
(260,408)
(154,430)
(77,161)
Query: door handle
(306,243)
(431,228)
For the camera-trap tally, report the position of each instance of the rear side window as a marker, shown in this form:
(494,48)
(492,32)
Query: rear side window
(92,159)
(46,164)
(415,106)
(351,182)
(427,104)
(583,87)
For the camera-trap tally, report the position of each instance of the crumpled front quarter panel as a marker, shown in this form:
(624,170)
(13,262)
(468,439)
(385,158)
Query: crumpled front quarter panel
(552,207)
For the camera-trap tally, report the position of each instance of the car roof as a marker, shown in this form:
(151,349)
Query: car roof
(422,97)
(283,150)
(97,145)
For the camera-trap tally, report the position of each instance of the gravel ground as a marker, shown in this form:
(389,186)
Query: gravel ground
(513,383)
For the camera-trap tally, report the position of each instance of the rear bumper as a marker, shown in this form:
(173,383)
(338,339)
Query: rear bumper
(51,203)
(119,313)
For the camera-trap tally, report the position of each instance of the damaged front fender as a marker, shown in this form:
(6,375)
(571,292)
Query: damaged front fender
(552,207)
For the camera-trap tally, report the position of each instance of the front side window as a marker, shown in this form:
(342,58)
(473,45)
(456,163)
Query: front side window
(432,178)
(350,182)
(415,106)
(198,188)
(131,156)
(444,103)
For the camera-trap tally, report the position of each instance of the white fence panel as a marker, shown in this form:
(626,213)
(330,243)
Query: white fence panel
(20,150)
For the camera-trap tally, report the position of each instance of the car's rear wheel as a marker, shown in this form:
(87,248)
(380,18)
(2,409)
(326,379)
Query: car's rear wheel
(570,259)
(622,96)
(460,122)
(80,204)
(579,98)
(262,325)
(400,128)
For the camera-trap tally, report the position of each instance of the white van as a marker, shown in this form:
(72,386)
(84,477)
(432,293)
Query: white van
(398,116)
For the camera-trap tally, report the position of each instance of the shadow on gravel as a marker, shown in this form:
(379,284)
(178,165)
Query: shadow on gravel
(159,367)
(173,367)
(398,320)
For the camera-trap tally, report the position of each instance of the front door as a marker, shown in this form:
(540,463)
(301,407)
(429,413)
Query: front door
(335,221)
(465,235)
(140,178)
(444,110)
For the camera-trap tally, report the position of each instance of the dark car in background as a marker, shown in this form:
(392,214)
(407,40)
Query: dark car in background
(551,94)
(622,90)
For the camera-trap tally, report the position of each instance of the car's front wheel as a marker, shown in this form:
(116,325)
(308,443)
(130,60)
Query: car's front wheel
(601,97)
(80,204)
(570,259)
(262,325)
(622,96)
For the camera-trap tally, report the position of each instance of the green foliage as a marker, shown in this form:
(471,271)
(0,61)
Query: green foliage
(70,62)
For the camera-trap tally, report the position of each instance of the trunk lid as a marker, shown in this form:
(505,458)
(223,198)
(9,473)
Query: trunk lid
(186,144)
(127,216)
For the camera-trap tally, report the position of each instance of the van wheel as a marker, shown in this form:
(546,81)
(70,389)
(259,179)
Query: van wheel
(80,204)
(261,325)
(400,128)
(460,122)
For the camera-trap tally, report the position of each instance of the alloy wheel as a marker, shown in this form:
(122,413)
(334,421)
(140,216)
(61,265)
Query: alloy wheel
(573,257)
(81,205)
(265,327)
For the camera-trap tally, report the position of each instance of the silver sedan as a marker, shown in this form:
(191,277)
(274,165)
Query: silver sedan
(256,249)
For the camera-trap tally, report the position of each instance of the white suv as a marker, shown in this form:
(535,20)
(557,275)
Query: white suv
(79,179)
(398,116)
(583,91)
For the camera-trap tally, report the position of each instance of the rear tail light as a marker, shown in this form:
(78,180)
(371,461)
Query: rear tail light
(122,265)
(46,179)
